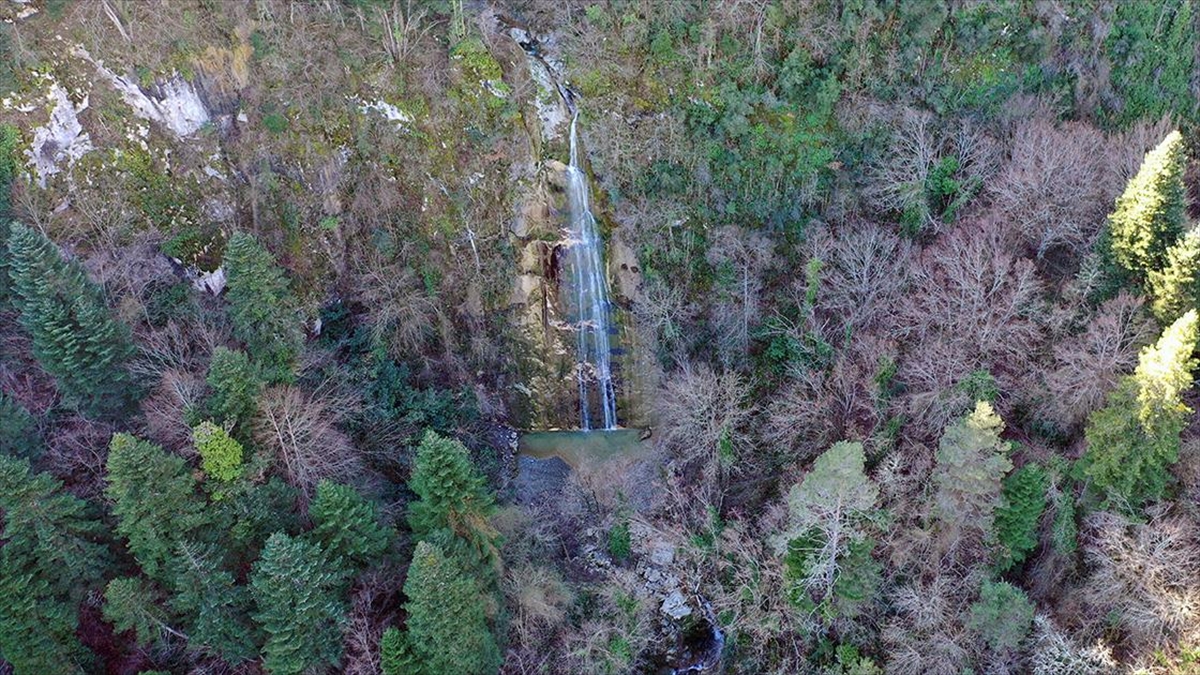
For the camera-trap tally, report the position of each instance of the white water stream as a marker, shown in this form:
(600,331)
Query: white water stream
(590,290)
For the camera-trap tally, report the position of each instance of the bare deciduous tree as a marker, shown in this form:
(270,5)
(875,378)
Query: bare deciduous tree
(1056,187)
(1146,577)
(1086,366)
(703,415)
(299,428)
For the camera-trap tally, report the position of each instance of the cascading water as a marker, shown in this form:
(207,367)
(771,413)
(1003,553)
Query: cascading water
(590,286)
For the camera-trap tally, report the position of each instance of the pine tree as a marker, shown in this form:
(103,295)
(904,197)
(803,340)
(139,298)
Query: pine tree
(347,525)
(215,610)
(1002,616)
(220,454)
(447,617)
(298,593)
(1149,214)
(49,559)
(154,500)
(18,431)
(1135,438)
(74,336)
(452,494)
(236,387)
(826,512)
(261,307)
(1176,287)
(971,463)
(1018,515)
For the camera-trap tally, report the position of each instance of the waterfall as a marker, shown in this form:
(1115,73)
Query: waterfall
(591,299)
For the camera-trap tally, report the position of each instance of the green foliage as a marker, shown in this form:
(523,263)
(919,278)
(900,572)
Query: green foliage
(447,629)
(438,409)
(1149,214)
(74,337)
(1018,515)
(130,603)
(235,385)
(1176,287)
(275,122)
(49,560)
(154,500)
(395,656)
(261,308)
(1135,438)
(1002,617)
(971,462)
(348,525)
(18,431)
(451,492)
(1152,47)
(220,455)
(298,593)
(620,545)
(216,611)
(825,530)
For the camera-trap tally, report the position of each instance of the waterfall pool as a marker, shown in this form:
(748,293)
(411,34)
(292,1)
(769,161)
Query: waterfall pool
(579,447)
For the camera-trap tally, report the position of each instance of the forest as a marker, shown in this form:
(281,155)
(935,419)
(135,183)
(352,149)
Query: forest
(559,337)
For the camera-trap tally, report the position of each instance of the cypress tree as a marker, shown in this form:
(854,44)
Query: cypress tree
(1149,214)
(1176,287)
(298,593)
(154,500)
(51,556)
(75,338)
(220,454)
(1135,438)
(447,617)
(261,307)
(347,525)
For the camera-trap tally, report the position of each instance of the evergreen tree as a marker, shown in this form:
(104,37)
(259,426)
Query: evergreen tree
(971,463)
(1018,515)
(216,611)
(826,513)
(220,455)
(395,656)
(9,165)
(75,338)
(347,525)
(236,387)
(452,494)
(1176,287)
(1135,438)
(261,307)
(154,500)
(18,432)
(130,603)
(1149,214)
(298,593)
(49,559)
(1002,616)
(447,617)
